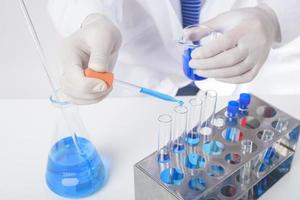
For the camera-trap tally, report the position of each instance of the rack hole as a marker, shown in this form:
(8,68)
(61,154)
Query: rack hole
(249,122)
(172,176)
(266,111)
(198,184)
(229,190)
(232,134)
(233,158)
(215,170)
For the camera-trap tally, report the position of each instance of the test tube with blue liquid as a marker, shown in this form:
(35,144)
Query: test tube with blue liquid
(209,146)
(180,129)
(170,175)
(231,120)
(193,160)
(164,138)
(194,121)
(244,102)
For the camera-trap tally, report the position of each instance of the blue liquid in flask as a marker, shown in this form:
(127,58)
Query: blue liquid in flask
(73,174)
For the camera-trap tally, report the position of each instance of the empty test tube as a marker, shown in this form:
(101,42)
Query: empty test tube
(280,125)
(267,135)
(164,138)
(210,102)
(209,108)
(194,121)
(245,173)
(180,127)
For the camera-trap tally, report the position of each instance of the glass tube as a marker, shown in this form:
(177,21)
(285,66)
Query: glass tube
(245,173)
(194,121)
(209,108)
(267,135)
(180,127)
(280,125)
(164,138)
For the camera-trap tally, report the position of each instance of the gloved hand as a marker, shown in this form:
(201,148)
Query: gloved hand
(238,54)
(94,45)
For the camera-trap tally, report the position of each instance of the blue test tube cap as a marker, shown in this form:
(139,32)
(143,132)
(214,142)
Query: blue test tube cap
(233,107)
(244,100)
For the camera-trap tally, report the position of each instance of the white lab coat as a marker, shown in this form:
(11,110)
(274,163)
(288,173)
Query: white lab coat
(150,56)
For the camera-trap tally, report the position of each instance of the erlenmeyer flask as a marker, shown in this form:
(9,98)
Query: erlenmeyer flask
(74,169)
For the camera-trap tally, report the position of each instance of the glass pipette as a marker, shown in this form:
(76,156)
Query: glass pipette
(109,79)
(150,92)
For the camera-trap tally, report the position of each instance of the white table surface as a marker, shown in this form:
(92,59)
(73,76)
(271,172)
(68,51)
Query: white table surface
(123,129)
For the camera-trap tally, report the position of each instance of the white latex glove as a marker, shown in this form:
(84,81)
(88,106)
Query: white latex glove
(238,54)
(94,45)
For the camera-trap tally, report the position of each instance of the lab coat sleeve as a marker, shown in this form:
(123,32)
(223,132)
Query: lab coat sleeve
(288,15)
(68,15)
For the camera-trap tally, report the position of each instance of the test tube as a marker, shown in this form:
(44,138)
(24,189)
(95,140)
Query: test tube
(194,121)
(280,125)
(232,113)
(164,138)
(209,108)
(180,127)
(245,172)
(244,101)
(267,135)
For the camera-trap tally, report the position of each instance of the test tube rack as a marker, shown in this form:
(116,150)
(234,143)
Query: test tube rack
(225,184)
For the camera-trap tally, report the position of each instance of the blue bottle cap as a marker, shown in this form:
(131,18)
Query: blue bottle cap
(244,100)
(233,107)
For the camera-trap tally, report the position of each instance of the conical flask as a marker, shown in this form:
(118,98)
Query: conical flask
(74,168)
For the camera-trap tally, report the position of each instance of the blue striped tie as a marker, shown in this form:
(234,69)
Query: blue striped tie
(190,10)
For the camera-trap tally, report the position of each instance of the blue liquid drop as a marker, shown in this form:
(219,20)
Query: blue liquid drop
(73,174)
(172,176)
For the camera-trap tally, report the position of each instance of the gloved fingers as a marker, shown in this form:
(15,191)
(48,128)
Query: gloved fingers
(225,59)
(74,78)
(227,72)
(107,43)
(83,98)
(86,92)
(196,33)
(214,47)
(243,78)
(72,54)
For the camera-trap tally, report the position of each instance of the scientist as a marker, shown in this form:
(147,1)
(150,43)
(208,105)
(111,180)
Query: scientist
(139,38)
